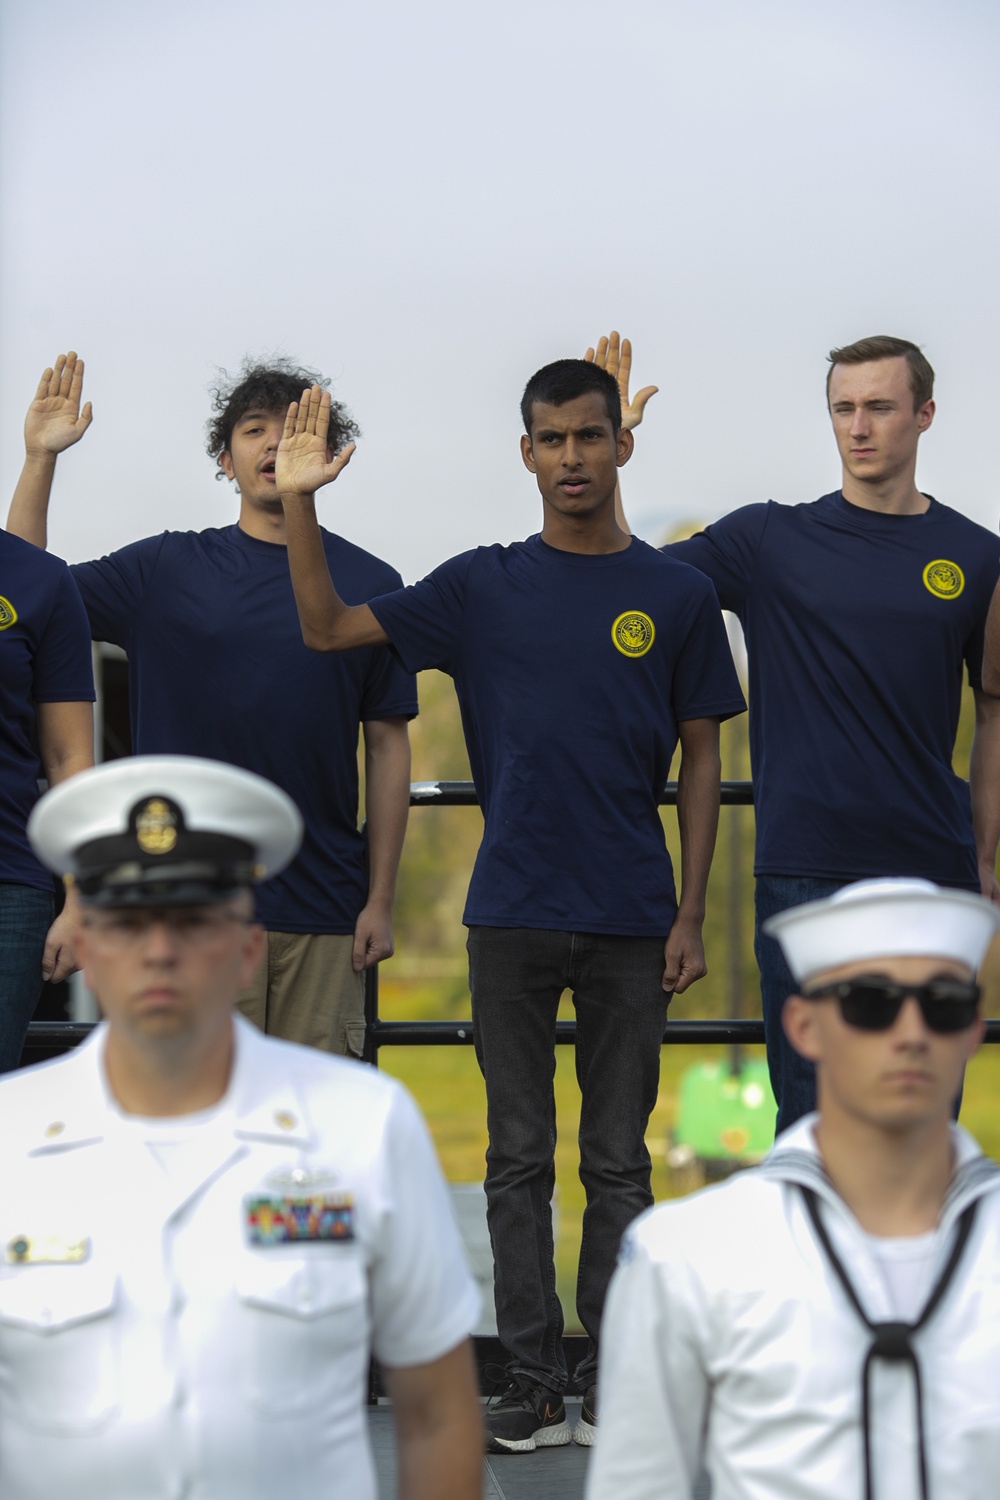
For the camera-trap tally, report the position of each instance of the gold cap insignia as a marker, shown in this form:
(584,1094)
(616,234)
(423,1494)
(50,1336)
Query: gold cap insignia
(156,827)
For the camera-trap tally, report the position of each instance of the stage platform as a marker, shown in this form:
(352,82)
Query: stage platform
(546,1474)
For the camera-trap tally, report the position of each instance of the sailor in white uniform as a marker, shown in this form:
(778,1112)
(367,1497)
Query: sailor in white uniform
(204,1232)
(827,1325)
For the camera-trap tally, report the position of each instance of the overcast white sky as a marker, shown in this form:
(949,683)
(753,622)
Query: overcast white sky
(429,201)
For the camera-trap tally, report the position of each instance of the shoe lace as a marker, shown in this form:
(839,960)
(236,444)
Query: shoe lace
(505,1385)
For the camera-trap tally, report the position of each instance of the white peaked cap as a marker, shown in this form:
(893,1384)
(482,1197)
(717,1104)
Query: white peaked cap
(214,800)
(884,919)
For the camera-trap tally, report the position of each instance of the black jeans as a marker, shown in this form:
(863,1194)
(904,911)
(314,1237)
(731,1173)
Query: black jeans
(517,976)
(25,918)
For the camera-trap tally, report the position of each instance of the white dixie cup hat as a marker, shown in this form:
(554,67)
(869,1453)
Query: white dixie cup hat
(885,919)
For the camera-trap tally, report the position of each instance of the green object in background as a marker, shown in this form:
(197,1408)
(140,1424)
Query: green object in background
(726,1115)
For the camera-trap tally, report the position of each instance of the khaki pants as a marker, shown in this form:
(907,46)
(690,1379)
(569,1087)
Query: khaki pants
(306,991)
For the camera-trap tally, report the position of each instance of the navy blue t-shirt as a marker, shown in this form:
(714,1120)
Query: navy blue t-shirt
(44,658)
(217,667)
(857,626)
(572,673)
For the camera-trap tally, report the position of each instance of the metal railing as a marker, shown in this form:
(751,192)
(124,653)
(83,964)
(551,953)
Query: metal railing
(51,1037)
(459,1033)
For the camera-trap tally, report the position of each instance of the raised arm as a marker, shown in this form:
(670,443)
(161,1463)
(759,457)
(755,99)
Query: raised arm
(303,465)
(614,354)
(54,422)
(698,786)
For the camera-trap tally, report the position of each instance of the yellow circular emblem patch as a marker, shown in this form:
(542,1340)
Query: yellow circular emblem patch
(8,614)
(633,633)
(156,828)
(944,579)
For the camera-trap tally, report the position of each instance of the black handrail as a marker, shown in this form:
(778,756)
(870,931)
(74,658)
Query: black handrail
(51,1037)
(463,794)
(380,1033)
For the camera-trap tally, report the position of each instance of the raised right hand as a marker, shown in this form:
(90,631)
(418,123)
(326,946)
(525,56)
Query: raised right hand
(303,462)
(54,419)
(614,354)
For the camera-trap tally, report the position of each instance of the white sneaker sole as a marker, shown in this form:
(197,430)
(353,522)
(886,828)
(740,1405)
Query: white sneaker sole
(545,1437)
(584,1434)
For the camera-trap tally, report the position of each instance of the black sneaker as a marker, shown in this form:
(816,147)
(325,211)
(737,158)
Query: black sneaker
(585,1431)
(526,1415)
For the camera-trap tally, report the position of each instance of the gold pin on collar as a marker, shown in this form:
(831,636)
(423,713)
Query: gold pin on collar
(49,1249)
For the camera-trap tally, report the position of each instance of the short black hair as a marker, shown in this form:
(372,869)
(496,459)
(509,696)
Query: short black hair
(566,379)
(269,386)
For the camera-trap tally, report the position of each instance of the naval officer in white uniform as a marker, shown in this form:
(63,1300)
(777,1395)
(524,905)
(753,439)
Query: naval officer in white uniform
(827,1325)
(204,1232)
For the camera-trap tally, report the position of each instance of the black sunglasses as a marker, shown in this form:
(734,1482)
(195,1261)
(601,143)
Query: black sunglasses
(872,1003)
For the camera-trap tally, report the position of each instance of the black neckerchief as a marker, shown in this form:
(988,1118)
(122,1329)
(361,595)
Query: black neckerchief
(892,1340)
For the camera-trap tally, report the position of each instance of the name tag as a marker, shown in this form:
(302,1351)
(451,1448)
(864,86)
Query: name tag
(299,1220)
(45,1250)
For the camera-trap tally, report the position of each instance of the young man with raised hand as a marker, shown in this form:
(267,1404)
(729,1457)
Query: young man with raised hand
(217,668)
(581,657)
(207,1232)
(828,1324)
(860,611)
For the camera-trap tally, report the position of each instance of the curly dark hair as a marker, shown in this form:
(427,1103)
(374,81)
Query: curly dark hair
(270,386)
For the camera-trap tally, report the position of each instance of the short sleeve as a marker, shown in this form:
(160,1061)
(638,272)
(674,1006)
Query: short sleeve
(112,588)
(705,684)
(653,1388)
(726,552)
(61,665)
(424,621)
(390,691)
(424,1300)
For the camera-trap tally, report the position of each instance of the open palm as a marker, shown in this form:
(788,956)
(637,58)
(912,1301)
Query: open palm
(303,463)
(614,354)
(55,421)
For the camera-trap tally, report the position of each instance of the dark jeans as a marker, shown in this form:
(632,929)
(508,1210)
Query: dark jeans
(793,1079)
(25,918)
(517,976)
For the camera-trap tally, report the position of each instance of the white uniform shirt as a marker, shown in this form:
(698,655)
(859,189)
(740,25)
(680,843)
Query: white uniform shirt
(728,1343)
(148,1349)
